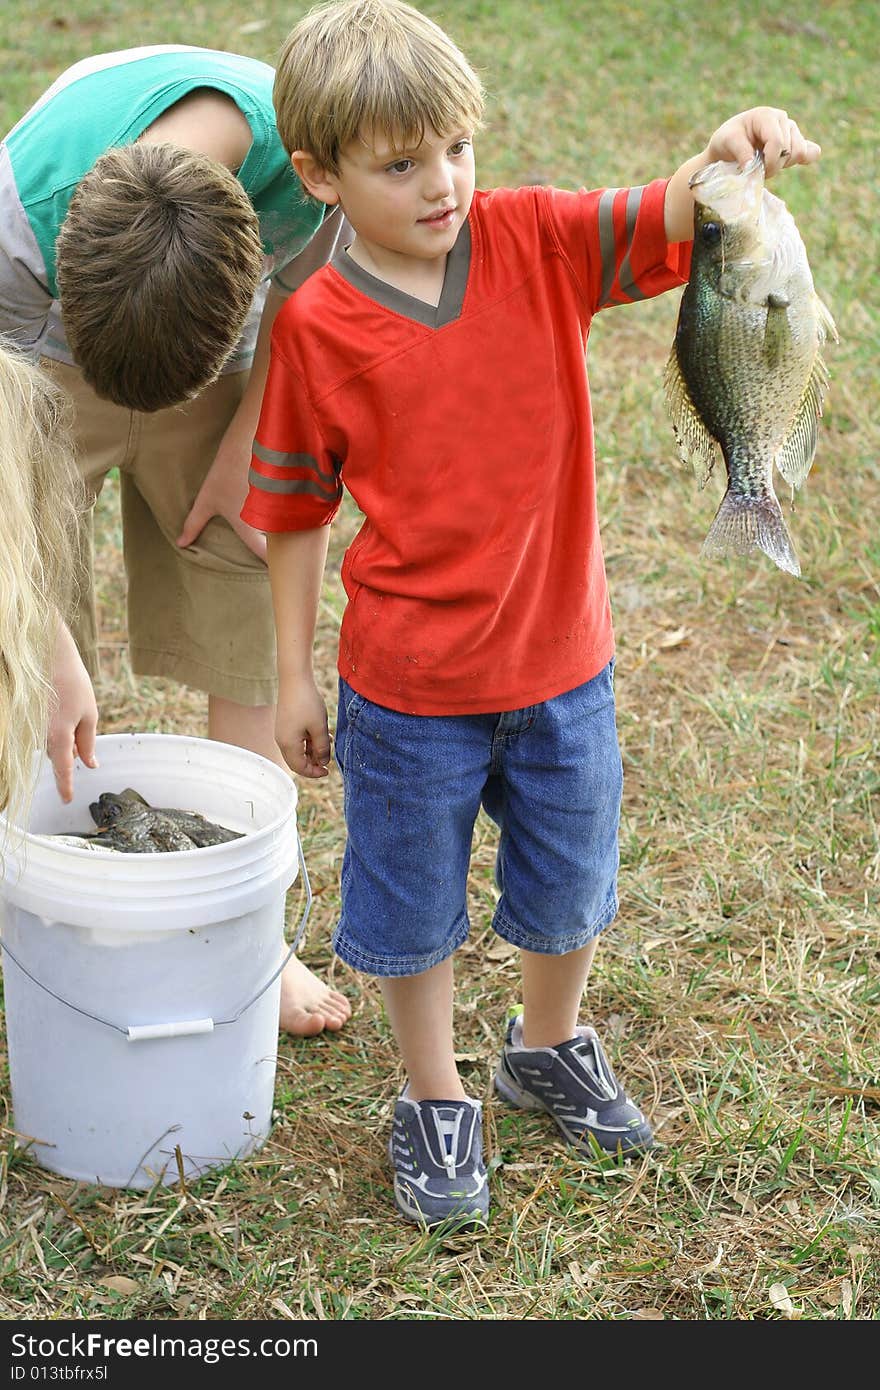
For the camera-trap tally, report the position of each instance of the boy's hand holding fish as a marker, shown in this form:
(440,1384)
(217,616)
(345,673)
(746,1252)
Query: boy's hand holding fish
(764,128)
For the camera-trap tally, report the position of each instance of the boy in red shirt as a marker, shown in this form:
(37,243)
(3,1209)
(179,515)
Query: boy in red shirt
(437,368)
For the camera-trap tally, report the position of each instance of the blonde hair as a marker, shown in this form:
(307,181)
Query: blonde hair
(359,66)
(41,501)
(158,261)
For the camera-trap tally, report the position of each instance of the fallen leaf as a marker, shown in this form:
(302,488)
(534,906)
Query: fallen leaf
(501,950)
(674,639)
(285,1310)
(649,1315)
(120,1284)
(661,1114)
(747,1203)
(781,1299)
(713,1264)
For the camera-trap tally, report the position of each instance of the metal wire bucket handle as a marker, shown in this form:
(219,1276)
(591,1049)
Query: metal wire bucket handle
(143,1031)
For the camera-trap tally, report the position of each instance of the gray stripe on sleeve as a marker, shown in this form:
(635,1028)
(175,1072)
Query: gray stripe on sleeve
(293,485)
(627,283)
(606,242)
(278,459)
(324,482)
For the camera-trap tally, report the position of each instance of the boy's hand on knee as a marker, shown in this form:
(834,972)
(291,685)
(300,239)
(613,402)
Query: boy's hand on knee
(222,494)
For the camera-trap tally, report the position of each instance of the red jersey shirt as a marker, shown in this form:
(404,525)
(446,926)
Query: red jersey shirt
(464,434)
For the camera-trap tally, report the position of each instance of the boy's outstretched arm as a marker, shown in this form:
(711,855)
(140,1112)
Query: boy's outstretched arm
(764,128)
(296,567)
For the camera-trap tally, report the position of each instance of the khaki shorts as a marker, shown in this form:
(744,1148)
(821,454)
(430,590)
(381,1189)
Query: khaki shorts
(203,615)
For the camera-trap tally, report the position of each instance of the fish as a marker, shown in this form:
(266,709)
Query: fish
(128,824)
(746,375)
(112,809)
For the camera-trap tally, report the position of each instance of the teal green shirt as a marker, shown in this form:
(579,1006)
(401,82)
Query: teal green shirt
(106,101)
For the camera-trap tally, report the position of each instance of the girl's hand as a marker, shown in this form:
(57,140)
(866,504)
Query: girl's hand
(73,717)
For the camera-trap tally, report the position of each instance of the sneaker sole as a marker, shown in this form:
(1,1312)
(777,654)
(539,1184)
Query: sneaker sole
(462,1219)
(524,1100)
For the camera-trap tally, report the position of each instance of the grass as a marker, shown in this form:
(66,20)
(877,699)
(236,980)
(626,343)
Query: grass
(738,989)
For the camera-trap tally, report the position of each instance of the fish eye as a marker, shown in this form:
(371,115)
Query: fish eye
(711,232)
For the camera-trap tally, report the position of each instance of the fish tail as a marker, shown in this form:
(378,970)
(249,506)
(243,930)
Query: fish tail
(743,524)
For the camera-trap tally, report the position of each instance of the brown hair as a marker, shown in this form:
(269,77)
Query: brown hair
(359,66)
(158,261)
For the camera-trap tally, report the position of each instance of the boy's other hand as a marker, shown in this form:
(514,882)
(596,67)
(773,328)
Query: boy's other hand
(301,730)
(222,494)
(764,128)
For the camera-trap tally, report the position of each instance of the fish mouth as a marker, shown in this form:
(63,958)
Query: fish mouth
(730,191)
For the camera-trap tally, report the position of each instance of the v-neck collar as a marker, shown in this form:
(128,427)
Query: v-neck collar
(455,278)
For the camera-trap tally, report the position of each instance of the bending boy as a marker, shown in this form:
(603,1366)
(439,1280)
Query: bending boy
(151,226)
(436,368)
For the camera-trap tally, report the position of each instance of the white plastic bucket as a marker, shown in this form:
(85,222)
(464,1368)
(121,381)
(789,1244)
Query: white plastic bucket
(142,990)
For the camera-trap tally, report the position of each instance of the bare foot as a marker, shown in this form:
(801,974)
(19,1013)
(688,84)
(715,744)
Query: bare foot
(308,1006)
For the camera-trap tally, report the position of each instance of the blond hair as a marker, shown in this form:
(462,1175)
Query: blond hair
(158,261)
(362,66)
(41,501)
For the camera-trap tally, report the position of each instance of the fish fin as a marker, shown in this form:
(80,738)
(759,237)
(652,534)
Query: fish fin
(743,524)
(696,447)
(135,798)
(777,330)
(795,458)
(827,326)
(730,282)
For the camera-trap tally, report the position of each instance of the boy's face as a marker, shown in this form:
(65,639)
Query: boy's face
(410,201)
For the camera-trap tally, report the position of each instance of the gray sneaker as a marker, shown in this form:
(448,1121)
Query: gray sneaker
(436,1150)
(574,1083)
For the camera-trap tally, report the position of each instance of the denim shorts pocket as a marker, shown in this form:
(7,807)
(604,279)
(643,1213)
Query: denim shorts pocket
(349,707)
(354,704)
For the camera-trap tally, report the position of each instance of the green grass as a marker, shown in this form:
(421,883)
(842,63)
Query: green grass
(738,991)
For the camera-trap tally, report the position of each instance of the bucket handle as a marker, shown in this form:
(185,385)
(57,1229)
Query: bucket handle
(141,1031)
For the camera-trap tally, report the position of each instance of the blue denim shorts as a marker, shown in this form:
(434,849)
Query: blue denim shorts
(550,776)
